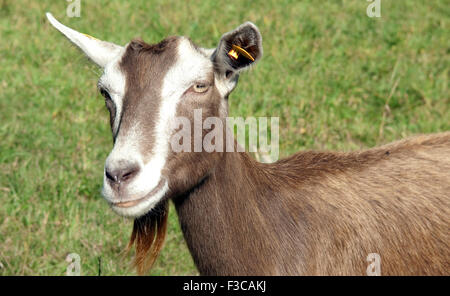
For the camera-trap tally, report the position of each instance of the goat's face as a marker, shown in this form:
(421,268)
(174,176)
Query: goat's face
(146,89)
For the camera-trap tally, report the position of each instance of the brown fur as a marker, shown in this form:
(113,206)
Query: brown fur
(322,213)
(313,213)
(145,66)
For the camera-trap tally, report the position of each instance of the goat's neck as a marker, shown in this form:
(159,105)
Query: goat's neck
(221,215)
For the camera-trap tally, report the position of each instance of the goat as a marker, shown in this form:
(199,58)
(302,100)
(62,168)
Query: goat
(313,213)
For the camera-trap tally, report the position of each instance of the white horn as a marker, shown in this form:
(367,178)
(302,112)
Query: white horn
(100,52)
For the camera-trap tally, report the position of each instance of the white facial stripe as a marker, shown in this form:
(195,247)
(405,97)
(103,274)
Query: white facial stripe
(175,83)
(191,66)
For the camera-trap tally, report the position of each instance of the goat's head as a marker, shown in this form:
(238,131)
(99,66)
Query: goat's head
(145,88)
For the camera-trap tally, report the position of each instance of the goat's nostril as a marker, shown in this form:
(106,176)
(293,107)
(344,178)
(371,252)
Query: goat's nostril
(122,174)
(110,176)
(129,174)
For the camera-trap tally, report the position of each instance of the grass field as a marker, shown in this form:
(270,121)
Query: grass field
(336,78)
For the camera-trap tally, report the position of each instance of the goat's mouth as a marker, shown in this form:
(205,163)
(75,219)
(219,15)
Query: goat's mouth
(134,202)
(129,204)
(140,206)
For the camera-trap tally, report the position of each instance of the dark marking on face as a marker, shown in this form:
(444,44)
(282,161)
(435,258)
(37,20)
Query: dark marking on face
(145,66)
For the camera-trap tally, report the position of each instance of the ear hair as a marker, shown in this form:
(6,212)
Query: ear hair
(238,49)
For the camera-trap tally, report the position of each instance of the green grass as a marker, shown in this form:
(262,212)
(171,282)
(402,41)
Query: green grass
(336,78)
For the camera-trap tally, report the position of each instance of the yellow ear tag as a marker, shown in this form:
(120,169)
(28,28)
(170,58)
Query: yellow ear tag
(232,53)
(236,50)
(89,36)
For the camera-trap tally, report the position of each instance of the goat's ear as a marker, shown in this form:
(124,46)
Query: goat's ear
(100,52)
(238,49)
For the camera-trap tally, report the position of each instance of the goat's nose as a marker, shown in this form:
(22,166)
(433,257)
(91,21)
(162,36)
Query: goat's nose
(122,174)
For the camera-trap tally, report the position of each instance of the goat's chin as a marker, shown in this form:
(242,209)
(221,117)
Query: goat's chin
(136,208)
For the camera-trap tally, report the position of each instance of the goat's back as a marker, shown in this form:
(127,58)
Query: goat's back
(392,200)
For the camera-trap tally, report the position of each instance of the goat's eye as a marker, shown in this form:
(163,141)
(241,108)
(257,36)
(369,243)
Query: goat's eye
(109,105)
(200,87)
(105,94)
